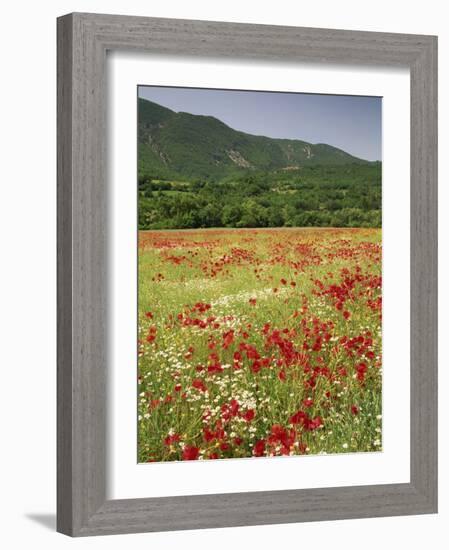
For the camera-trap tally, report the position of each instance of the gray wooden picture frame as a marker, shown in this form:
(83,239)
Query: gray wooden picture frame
(83,40)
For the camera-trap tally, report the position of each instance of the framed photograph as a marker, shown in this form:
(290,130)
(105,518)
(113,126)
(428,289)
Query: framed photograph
(247,274)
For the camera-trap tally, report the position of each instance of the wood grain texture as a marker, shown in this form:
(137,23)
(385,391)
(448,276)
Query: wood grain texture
(83,40)
(423,273)
(64,276)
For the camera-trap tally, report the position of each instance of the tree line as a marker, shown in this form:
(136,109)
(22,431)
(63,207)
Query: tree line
(339,196)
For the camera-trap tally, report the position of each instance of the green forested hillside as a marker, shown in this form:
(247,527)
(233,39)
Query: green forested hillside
(184,146)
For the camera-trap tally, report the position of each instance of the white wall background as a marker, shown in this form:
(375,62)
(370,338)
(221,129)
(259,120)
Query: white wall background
(27,271)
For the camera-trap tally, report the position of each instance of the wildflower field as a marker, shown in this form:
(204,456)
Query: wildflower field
(259,342)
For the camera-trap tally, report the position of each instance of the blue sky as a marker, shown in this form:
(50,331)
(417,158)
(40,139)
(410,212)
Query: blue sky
(352,123)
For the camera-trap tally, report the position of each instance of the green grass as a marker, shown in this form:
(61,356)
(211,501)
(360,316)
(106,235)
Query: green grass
(239,330)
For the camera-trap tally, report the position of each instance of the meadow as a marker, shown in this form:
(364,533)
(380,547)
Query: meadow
(259,342)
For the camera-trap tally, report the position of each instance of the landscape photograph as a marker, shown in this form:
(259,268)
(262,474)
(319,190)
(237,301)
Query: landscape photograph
(259,274)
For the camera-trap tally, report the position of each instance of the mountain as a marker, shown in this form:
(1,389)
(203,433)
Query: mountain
(184,146)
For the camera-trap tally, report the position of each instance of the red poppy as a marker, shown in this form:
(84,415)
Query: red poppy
(170,439)
(234,407)
(317,422)
(249,415)
(214,368)
(259,448)
(361,369)
(228,338)
(198,384)
(208,435)
(190,453)
(299,417)
(256,366)
(229,410)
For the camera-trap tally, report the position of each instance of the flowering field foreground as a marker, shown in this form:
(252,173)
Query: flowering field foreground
(259,343)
